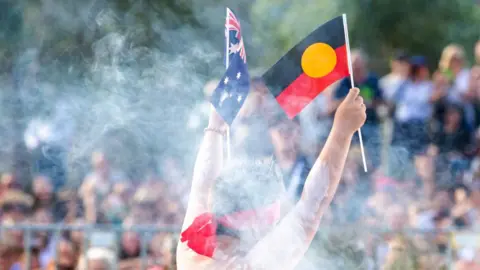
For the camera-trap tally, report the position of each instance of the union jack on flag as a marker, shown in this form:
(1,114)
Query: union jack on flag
(233,34)
(234,86)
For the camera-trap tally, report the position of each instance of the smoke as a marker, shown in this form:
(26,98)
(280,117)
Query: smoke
(124,76)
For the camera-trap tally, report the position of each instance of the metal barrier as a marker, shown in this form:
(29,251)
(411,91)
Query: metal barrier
(146,231)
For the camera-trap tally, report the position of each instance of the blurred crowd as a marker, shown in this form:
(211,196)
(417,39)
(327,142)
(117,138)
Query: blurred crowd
(422,146)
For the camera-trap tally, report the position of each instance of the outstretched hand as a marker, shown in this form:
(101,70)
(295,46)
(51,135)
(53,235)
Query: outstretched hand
(350,115)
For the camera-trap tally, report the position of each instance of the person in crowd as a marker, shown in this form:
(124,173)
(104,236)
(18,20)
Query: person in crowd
(98,259)
(295,166)
(371,93)
(399,72)
(67,255)
(412,108)
(451,84)
(97,185)
(474,84)
(241,226)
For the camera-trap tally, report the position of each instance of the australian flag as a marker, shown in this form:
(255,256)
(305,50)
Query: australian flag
(234,86)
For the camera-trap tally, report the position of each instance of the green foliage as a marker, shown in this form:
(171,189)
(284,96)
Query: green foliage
(418,26)
(378,26)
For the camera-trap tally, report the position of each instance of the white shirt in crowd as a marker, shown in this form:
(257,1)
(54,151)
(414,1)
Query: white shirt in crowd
(459,87)
(389,84)
(414,101)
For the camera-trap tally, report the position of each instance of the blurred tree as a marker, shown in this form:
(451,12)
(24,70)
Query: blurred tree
(378,26)
(419,26)
(279,27)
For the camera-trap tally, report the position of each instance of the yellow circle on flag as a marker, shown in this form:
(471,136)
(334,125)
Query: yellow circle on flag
(318,60)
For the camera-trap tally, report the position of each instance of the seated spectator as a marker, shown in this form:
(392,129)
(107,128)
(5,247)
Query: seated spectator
(130,246)
(67,256)
(98,259)
(160,250)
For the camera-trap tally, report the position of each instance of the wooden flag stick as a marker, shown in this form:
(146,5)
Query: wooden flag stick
(349,59)
(227,41)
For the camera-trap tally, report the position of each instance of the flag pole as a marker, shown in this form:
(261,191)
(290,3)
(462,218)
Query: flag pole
(349,59)
(227,56)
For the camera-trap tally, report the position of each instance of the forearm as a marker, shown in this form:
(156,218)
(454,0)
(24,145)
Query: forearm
(323,179)
(289,241)
(207,165)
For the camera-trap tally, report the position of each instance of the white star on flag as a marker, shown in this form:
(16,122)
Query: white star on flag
(239,75)
(223,98)
(233,48)
(226,80)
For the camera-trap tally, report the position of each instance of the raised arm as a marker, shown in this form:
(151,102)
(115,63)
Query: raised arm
(207,168)
(285,246)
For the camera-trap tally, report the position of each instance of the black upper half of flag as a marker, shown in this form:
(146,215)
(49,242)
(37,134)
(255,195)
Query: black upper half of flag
(231,92)
(288,68)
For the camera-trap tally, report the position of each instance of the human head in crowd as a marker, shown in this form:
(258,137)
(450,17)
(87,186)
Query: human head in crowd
(397,217)
(98,259)
(15,205)
(161,248)
(452,59)
(400,64)
(359,64)
(419,68)
(285,135)
(130,245)
(67,256)
(100,163)
(42,191)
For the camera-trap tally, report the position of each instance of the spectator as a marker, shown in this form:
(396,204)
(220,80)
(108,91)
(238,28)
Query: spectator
(474,86)
(67,256)
(452,83)
(97,186)
(399,72)
(98,259)
(285,135)
(413,109)
(368,84)
(160,249)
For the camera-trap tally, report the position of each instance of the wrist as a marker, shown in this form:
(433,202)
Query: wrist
(341,133)
(217,126)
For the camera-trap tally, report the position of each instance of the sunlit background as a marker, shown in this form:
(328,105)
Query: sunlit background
(118,90)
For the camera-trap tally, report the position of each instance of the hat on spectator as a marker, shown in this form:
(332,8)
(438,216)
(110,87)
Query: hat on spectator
(418,60)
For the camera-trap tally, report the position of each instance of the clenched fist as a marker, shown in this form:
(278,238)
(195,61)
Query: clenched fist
(350,115)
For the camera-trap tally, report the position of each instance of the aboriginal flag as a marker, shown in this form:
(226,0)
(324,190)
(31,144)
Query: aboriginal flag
(309,68)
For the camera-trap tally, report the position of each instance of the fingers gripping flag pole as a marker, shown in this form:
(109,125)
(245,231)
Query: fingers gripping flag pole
(349,59)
